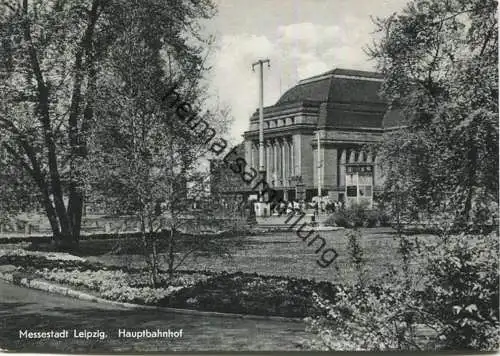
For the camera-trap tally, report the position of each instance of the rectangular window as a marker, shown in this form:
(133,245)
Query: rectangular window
(351,179)
(365,179)
(365,191)
(352,191)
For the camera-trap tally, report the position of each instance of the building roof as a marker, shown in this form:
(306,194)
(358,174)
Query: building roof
(346,117)
(338,85)
(342,99)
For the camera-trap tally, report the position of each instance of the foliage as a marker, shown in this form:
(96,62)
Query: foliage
(448,303)
(17,191)
(366,316)
(337,219)
(440,62)
(356,255)
(54,62)
(245,293)
(33,262)
(52,256)
(114,285)
(238,292)
(145,159)
(364,320)
(461,291)
(372,218)
(357,216)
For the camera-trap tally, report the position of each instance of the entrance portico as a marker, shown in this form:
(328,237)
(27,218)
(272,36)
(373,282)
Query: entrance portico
(342,107)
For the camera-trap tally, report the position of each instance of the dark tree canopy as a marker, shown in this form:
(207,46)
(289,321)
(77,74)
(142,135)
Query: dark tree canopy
(55,61)
(440,61)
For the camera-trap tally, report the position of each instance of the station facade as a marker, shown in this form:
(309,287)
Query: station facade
(344,109)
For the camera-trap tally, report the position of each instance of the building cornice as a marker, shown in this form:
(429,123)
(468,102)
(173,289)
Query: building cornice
(282,130)
(339,76)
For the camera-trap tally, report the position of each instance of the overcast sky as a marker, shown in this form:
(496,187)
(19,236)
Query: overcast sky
(301,38)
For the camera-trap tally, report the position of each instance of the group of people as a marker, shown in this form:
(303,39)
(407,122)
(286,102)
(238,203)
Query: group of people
(299,207)
(333,206)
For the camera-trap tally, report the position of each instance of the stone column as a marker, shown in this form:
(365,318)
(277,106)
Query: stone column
(292,158)
(378,179)
(342,168)
(284,159)
(330,166)
(250,163)
(369,157)
(268,161)
(275,162)
(352,156)
(297,155)
(361,157)
(255,163)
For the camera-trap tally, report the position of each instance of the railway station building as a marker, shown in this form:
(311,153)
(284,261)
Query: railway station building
(344,109)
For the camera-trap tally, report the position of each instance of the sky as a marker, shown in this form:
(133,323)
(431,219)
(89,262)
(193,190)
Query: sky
(301,38)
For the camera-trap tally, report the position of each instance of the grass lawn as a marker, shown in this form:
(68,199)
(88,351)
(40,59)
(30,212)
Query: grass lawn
(286,254)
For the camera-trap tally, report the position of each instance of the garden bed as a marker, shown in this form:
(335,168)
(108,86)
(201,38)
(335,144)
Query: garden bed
(241,293)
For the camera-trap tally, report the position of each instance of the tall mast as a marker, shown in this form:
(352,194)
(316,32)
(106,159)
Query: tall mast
(262,167)
(319,168)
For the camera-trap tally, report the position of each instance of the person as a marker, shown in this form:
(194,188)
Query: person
(302,207)
(282,208)
(329,207)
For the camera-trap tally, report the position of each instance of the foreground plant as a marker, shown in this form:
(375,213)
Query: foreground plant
(114,285)
(461,291)
(451,303)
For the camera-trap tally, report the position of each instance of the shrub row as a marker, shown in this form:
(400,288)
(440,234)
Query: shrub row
(245,293)
(358,216)
(31,262)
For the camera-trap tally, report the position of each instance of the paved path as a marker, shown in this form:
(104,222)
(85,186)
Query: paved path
(32,310)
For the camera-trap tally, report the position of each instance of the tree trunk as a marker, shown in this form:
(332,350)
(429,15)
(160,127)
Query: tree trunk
(76,139)
(154,264)
(151,258)
(75,211)
(43,104)
(471,181)
(171,255)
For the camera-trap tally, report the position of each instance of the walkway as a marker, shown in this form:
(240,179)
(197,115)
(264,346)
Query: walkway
(32,310)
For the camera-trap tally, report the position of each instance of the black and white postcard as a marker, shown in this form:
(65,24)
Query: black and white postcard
(266,175)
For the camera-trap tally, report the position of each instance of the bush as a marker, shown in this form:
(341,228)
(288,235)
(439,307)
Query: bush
(339,218)
(461,291)
(384,219)
(245,293)
(372,219)
(358,216)
(371,319)
(456,304)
